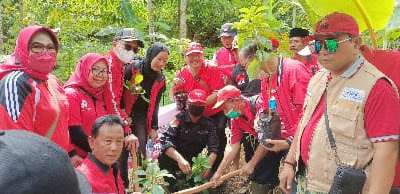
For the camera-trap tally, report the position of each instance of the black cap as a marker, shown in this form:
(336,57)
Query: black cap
(298,32)
(129,34)
(30,163)
(227,30)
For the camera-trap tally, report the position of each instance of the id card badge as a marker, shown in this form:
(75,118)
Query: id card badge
(272,103)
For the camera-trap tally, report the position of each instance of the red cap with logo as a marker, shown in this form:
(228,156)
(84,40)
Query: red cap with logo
(226,93)
(336,22)
(194,47)
(197,95)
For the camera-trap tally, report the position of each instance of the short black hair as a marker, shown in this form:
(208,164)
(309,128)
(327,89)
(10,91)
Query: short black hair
(298,32)
(106,120)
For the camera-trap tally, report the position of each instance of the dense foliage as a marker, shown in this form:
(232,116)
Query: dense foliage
(89,26)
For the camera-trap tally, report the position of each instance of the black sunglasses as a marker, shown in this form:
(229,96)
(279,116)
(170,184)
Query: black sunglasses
(129,47)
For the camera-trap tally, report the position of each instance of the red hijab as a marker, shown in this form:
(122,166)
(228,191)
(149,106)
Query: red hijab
(81,75)
(19,58)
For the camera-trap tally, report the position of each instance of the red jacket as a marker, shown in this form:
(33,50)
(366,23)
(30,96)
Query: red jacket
(289,95)
(101,178)
(226,61)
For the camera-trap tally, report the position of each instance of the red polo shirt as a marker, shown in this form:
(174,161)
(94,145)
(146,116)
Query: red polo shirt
(211,76)
(244,123)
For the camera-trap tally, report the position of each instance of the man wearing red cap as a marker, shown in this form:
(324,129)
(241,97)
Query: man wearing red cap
(186,137)
(298,44)
(348,108)
(198,75)
(242,113)
(225,57)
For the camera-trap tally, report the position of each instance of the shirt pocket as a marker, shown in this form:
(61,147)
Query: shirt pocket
(343,121)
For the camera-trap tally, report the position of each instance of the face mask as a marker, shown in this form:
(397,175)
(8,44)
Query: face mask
(196,110)
(124,55)
(42,62)
(232,114)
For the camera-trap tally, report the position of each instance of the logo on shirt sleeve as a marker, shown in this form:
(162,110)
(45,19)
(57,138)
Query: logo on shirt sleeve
(352,94)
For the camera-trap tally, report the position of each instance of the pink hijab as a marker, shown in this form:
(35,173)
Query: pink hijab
(19,58)
(81,75)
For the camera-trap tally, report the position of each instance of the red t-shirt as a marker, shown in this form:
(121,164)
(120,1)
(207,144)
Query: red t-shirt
(244,123)
(381,120)
(211,76)
(289,95)
(83,112)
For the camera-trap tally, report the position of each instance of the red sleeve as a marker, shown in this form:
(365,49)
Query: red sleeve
(299,86)
(74,100)
(236,132)
(382,113)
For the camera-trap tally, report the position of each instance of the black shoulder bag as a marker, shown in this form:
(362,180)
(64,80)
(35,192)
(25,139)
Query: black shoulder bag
(347,180)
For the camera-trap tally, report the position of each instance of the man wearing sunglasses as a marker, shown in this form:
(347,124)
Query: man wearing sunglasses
(356,103)
(125,46)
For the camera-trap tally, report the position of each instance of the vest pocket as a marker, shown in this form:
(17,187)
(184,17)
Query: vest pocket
(342,121)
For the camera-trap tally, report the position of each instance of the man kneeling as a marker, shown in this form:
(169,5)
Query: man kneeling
(186,137)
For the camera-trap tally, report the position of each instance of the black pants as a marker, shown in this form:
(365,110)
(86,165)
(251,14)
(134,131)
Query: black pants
(220,122)
(267,170)
(139,129)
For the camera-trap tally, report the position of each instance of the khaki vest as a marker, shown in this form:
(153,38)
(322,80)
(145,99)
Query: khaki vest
(346,101)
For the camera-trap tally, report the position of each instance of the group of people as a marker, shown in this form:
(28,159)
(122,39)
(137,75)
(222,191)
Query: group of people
(330,106)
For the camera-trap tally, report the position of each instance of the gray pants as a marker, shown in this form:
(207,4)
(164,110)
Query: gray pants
(139,129)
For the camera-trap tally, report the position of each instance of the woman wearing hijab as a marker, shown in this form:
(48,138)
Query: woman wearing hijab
(84,90)
(142,105)
(31,98)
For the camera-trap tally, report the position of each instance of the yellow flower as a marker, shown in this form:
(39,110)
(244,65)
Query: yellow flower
(138,78)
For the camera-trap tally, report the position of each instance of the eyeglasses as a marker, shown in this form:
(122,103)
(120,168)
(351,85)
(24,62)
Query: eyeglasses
(37,47)
(331,45)
(99,72)
(129,47)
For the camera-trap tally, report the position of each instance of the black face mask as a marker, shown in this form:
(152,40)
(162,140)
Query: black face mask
(196,110)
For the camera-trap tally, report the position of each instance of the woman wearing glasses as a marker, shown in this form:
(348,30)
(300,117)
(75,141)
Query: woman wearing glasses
(30,97)
(84,90)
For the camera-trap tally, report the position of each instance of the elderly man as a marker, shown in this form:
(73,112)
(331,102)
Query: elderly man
(106,142)
(188,134)
(349,107)
(297,43)
(198,75)
(125,46)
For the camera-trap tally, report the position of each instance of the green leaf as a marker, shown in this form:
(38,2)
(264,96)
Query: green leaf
(372,9)
(394,22)
(109,30)
(140,172)
(157,189)
(254,69)
(138,180)
(128,13)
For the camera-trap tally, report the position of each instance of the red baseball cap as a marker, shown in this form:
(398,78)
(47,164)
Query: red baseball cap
(336,22)
(197,95)
(226,93)
(193,47)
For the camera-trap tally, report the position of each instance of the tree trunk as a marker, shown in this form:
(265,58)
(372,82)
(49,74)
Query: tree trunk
(182,19)
(151,27)
(294,17)
(21,14)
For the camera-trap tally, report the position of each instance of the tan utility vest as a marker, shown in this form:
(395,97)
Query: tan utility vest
(346,101)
